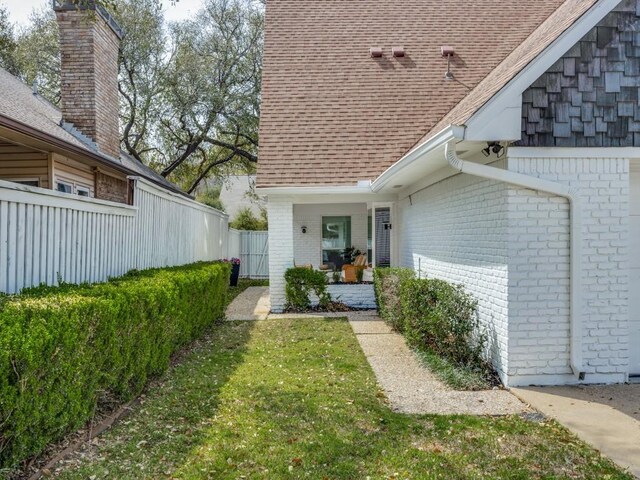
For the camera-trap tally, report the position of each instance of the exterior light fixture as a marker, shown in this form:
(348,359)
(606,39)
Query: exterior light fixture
(304,229)
(493,147)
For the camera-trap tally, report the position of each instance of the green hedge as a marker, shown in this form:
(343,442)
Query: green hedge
(386,284)
(65,349)
(433,315)
(300,282)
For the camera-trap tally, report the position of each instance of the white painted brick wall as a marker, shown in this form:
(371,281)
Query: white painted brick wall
(538,283)
(308,246)
(280,213)
(539,271)
(355,296)
(456,230)
(287,242)
(509,247)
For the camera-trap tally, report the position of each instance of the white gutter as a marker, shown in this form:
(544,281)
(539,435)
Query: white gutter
(442,138)
(533,183)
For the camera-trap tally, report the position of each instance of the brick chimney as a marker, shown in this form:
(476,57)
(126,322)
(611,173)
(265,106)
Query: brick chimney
(89,45)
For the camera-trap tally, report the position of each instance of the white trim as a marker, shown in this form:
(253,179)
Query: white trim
(393,239)
(438,140)
(65,183)
(534,183)
(74,184)
(516,381)
(83,189)
(505,99)
(13,192)
(568,152)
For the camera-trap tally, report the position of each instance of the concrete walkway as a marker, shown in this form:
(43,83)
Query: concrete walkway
(252,304)
(607,417)
(411,387)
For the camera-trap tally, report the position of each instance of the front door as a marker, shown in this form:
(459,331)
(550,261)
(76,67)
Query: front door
(383,237)
(634,271)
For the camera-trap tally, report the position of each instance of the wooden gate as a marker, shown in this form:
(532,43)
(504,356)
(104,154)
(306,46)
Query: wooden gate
(254,254)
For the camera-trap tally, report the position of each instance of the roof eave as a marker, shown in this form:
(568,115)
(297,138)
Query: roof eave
(438,141)
(55,142)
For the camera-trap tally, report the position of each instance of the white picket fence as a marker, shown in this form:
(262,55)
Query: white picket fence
(46,235)
(252,248)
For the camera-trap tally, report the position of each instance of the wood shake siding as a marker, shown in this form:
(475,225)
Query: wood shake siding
(589,98)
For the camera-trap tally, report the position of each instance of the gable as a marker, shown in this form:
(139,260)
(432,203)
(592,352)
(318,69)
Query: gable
(589,98)
(332,115)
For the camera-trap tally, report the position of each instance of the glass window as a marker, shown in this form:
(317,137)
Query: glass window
(64,187)
(69,186)
(82,191)
(336,236)
(28,183)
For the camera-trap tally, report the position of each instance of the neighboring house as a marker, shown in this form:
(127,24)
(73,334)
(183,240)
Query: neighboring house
(72,205)
(516,174)
(238,192)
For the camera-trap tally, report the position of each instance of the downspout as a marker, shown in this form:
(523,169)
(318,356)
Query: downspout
(533,183)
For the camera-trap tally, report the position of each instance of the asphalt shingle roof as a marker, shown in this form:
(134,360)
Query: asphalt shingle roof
(18,103)
(331,114)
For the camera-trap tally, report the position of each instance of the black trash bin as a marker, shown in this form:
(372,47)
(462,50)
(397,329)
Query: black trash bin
(235,273)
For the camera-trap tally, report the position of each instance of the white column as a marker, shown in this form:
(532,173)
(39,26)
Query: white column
(280,210)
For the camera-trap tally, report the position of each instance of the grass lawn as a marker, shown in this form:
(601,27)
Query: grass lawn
(296,399)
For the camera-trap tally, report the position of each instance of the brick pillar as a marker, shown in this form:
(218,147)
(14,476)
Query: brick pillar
(89,46)
(280,212)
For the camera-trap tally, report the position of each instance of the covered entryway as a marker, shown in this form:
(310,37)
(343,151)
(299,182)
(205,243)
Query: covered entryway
(634,270)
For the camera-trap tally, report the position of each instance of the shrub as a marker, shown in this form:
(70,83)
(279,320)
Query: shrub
(435,316)
(386,282)
(211,197)
(300,282)
(63,350)
(441,318)
(246,220)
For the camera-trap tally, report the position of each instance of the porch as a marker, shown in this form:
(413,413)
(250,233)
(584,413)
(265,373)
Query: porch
(315,234)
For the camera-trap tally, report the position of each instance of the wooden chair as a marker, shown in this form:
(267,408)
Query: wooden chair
(350,271)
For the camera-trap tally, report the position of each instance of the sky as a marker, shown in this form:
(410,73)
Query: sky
(19,10)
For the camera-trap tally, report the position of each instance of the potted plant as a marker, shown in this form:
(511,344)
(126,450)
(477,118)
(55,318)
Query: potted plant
(337,276)
(350,254)
(235,271)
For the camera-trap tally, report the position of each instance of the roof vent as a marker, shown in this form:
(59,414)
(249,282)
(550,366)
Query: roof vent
(398,51)
(376,52)
(447,51)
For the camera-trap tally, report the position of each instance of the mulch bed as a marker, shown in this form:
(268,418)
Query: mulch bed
(332,307)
